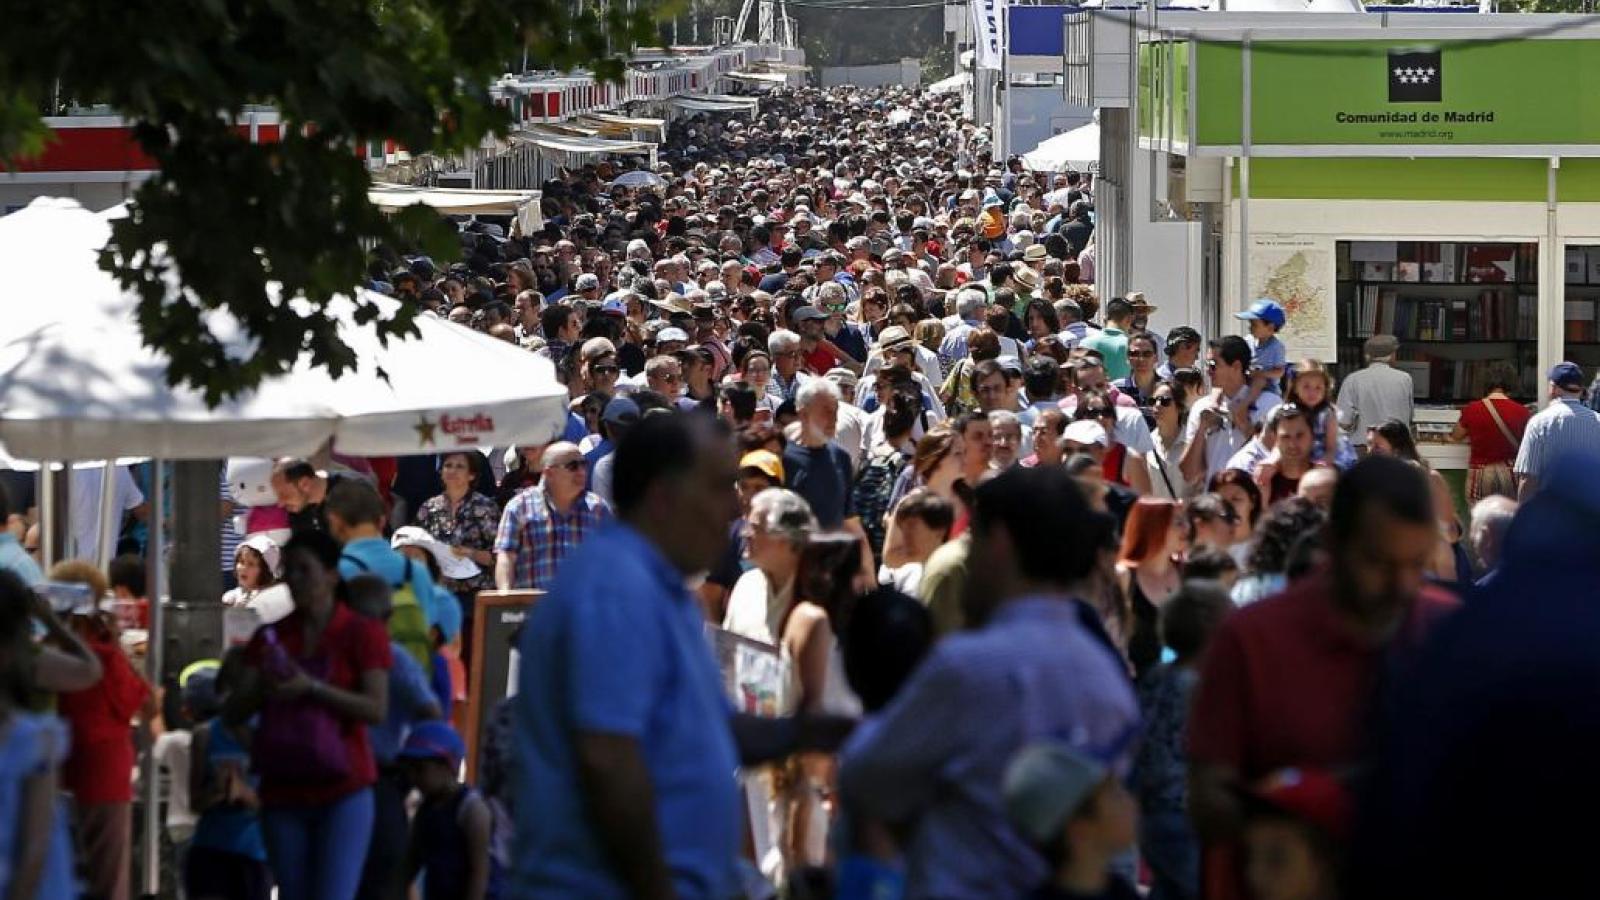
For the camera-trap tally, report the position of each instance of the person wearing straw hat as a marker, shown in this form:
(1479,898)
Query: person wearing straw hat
(1025,281)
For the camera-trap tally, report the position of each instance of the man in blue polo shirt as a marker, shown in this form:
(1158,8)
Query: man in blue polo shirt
(623,741)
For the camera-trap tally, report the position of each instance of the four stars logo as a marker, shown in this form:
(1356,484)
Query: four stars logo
(1415,77)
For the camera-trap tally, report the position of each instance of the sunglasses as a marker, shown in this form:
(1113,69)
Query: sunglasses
(605,370)
(1162,401)
(571,465)
(1141,354)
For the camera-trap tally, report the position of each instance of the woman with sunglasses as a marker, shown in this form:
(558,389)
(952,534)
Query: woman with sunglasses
(598,370)
(1121,464)
(1212,524)
(1239,490)
(1166,477)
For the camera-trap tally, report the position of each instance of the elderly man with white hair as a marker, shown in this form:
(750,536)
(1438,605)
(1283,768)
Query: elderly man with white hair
(970,306)
(814,465)
(784,347)
(1491,518)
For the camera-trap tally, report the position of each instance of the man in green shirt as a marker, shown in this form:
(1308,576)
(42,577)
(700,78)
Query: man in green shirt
(1112,340)
(943,579)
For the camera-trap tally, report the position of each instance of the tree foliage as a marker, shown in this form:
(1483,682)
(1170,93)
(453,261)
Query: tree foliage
(233,217)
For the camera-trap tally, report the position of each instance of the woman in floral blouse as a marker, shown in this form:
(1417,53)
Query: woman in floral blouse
(465,520)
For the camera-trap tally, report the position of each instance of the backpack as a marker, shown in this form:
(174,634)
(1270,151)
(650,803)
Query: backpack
(874,488)
(408,620)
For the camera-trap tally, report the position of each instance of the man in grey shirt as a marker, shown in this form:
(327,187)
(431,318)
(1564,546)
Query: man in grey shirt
(1377,393)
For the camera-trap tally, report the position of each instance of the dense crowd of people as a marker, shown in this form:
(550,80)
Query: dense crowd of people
(1054,602)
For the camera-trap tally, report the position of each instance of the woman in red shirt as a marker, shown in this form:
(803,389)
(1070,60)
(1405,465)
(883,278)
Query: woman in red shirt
(1493,429)
(98,771)
(317,678)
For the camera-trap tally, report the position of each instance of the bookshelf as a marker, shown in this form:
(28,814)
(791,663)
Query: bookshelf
(1581,308)
(1457,308)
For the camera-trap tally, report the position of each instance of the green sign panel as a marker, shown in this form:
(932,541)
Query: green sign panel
(1527,92)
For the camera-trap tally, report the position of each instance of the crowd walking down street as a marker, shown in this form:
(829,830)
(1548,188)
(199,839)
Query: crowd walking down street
(878,556)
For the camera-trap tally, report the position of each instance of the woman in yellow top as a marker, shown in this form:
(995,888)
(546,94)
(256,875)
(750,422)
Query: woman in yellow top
(992,221)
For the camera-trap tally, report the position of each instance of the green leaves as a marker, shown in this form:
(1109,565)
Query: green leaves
(227,217)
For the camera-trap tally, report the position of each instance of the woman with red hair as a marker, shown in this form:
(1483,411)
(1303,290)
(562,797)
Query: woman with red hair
(1147,569)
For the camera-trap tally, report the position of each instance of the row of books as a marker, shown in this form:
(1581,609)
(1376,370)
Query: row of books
(1492,315)
(1579,321)
(1426,262)
(1441,379)
(1583,265)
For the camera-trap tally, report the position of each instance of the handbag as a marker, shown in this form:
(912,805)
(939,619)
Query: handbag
(299,740)
(1497,477)
(1501,424)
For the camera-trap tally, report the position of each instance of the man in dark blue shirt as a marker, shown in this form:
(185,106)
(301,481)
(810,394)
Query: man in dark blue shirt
(814,466)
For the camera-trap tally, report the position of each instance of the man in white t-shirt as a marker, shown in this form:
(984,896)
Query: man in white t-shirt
(1223,422)
(85,519)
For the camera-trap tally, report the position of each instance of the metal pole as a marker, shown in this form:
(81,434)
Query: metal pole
(49,551)
(62,526)
(152,660)
(1551,331)
(105,533)
(1244,173)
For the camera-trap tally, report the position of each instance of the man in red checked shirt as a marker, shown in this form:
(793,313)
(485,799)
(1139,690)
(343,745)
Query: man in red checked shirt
(817,352)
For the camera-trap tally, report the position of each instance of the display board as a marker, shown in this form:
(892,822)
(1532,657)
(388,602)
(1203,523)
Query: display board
(495,661)
(1388,93)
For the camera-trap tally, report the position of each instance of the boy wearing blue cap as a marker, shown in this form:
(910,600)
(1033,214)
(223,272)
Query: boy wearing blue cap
(1269,359)
(452,830)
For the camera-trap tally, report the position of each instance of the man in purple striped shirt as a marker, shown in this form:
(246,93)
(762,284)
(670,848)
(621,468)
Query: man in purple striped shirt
(1039,666)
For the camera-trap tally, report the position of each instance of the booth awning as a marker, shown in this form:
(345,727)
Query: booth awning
(574,128)
(716,103)
(611,123)
(460,202)
(773,66)
(761,77)
(566,143)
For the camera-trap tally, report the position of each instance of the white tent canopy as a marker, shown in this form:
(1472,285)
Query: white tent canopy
(568,143)
(760,77)
(1077,150)
(952,84)
(462,202)
(726,103)
(77,383)
(611,122)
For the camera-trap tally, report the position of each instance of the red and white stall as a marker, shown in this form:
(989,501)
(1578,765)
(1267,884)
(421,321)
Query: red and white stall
(94,159)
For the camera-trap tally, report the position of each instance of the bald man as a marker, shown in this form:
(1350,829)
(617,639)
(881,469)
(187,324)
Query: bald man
(544,523)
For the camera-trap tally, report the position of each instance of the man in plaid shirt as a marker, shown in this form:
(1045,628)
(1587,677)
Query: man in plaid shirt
(544,523)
